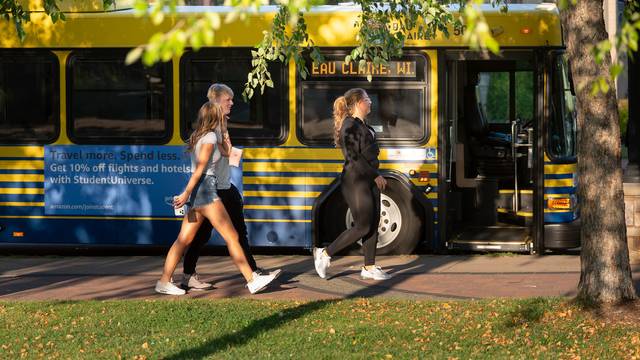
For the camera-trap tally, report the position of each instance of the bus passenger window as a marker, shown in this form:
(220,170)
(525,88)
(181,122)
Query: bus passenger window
(29,97)
(112,103)
(260,121)
(398,93)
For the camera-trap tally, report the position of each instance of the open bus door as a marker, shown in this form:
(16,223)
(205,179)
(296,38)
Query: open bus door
(491,168)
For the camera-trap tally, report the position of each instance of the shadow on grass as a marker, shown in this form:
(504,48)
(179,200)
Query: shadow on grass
(272,322)
(252,331)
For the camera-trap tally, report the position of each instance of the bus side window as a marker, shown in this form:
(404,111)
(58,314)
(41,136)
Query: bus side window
(398,91)
(260,121)
(29,97)
(113,103)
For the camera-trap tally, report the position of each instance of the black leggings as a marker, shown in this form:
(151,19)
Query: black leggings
(363,198)
(232,202)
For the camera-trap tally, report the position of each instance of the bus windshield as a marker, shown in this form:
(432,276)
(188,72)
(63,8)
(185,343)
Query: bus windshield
(562,122)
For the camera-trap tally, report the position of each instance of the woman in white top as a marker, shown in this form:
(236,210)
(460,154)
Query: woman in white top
(200,193)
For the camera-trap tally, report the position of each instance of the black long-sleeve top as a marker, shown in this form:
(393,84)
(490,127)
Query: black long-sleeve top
(359,148)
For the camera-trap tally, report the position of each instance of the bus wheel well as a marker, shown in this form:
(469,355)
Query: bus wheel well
(404,219)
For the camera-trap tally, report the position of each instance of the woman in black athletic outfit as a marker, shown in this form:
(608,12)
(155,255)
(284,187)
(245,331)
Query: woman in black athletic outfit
(360,182)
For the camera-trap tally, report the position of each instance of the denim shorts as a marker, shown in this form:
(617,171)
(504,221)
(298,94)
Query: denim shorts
(204,192)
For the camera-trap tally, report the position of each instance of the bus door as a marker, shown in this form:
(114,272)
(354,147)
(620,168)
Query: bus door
(489,147)
(559,202)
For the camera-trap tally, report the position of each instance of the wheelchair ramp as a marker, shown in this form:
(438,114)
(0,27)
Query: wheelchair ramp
(492,238)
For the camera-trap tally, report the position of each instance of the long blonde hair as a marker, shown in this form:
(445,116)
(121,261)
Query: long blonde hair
(343,107)
(209,118)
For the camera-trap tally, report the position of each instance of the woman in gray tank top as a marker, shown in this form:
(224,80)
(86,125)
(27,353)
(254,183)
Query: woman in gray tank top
(201,194)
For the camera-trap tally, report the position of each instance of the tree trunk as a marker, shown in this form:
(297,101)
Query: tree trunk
(605,275)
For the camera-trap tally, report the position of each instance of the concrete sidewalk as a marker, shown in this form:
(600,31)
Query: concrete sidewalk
(415,277)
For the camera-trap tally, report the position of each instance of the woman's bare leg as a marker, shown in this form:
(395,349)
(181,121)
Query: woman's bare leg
(217,215)
(185,237)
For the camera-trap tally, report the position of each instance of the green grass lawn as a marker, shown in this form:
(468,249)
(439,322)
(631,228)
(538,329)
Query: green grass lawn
(359,328)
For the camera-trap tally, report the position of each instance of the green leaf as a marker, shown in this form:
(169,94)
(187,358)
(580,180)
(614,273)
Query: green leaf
(362,64)
(604,85)
(150,56)
(140,7)
(563,4)
(196,41)
(595,88)
(615,70)
(492,45)
(249,93)
(133,55)
(157,17)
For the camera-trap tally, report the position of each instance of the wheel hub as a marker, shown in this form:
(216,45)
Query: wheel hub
(390,221)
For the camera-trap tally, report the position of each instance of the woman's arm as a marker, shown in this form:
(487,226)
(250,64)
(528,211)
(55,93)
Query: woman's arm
(225,145)
(201,162)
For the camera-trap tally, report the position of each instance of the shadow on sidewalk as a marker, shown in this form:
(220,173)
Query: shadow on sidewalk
(63,274)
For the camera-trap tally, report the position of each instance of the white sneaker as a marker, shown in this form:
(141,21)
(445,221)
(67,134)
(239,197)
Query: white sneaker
(321,261)
(259,282)
(276,272)
(376,273)
(192,282)
(168,288)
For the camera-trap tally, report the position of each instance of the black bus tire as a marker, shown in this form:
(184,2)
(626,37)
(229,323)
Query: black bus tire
(407,218)
(399,210)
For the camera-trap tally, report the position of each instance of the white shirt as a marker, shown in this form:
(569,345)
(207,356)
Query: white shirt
(208,138)
(222,169)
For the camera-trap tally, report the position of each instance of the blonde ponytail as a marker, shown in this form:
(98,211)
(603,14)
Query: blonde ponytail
(340,112)
(343,107)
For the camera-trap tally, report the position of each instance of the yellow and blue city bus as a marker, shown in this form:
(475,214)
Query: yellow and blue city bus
(479,150)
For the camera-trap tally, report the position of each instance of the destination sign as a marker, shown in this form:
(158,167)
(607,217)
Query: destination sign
(339,68)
